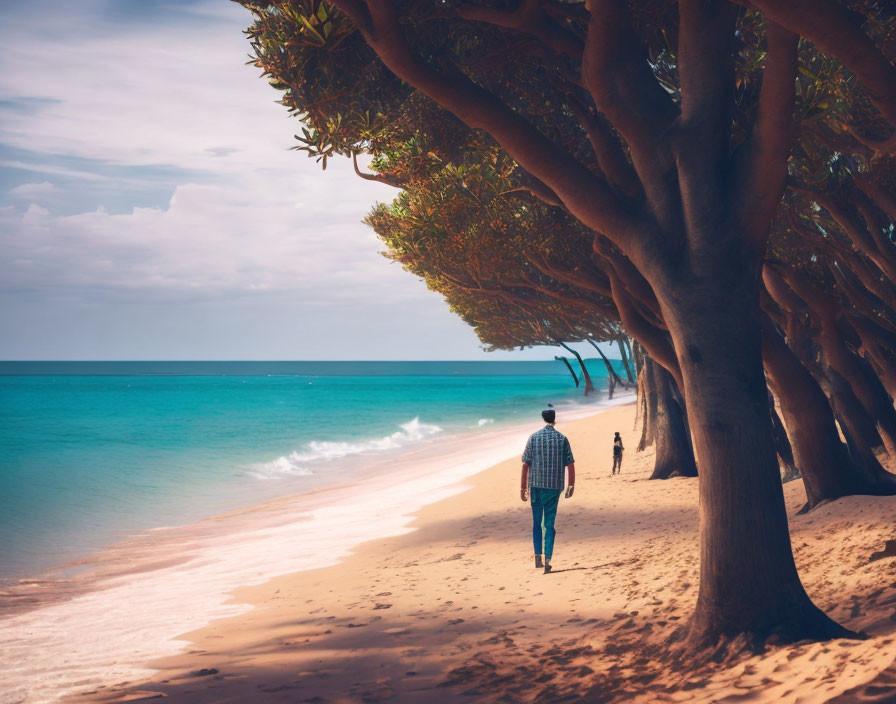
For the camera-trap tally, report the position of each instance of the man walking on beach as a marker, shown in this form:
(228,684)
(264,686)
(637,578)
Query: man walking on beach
(546,455)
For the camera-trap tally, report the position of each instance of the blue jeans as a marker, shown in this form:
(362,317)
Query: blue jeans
(544,511)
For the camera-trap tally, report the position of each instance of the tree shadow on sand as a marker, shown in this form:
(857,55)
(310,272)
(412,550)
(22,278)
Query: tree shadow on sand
(433,655)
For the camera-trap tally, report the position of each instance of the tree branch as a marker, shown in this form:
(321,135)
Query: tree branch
(567,276)
(833,29)
(854,228)
(622,85)
(883,198)
(885,146)
(874,222)
(705,66)
(780,291)
(656,341)
(529,18)
(873,278)
(379,178)
(588,197)
(539,190)
(854,260)
(703,136)
(634,282)
(860,297)
(764,179)
(610,156)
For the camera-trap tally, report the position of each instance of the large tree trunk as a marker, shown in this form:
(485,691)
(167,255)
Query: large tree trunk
(857,426)
(838,357)
(640,401)
(782,443)
(625,362)
(873,349)
(850,412)
(748,579)
(589,386)
(810,397)
(674,453)
(649,390)
(820,456)
(631,355)
(864,384)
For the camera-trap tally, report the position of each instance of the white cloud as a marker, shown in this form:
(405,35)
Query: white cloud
(32,191)
(34,215)
(211,240)
(51,169)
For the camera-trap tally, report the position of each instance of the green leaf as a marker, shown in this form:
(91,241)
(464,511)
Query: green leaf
(312,30)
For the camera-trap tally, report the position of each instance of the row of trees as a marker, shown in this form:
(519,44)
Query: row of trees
(714,178)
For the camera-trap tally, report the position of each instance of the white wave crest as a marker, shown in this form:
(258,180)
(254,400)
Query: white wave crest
(485,421)
(296,463)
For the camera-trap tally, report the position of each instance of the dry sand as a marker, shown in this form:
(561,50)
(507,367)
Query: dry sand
(455,611)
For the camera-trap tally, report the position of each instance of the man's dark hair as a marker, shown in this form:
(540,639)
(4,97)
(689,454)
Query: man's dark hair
(548,415)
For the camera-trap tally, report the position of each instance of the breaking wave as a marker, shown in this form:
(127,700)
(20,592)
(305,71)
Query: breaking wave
(296,463)
(485,421)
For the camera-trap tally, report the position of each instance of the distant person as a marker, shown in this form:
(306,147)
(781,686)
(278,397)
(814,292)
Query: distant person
(546,455)
(617,454)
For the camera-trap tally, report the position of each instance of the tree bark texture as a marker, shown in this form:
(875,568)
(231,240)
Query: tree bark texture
(748,579)
(782,443)
(829,468)
(648,429)
(864,384)
(857,428)
(674,453)
(839,359)
(625,361)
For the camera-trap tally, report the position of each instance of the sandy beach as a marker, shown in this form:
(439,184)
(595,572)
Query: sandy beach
(455,611)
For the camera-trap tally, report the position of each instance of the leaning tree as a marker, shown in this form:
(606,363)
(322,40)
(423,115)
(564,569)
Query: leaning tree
(666,131)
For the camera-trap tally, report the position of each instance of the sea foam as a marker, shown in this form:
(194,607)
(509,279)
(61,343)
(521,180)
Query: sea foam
(297,463)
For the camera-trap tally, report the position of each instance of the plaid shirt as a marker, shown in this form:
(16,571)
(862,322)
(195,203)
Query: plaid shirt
(547,453)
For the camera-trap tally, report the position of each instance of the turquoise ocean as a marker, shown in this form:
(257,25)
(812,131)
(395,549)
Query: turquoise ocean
(94,452)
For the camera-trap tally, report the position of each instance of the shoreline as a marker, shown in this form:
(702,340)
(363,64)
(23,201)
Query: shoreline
(182,468)
(196,568)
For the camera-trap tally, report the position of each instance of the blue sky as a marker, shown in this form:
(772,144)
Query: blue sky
(150,207)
